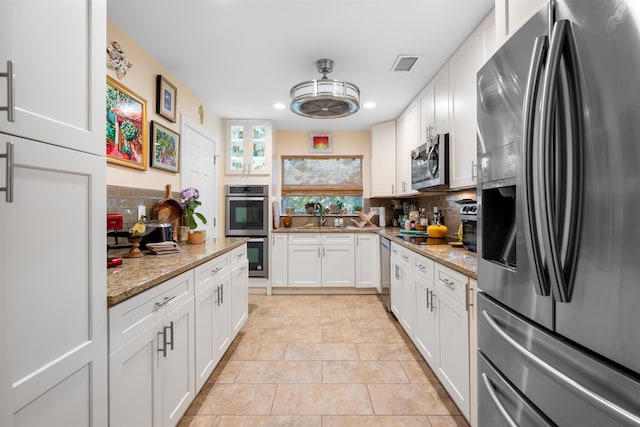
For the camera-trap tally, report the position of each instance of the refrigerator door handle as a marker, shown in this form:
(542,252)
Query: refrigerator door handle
(560,239)
(496,401)
(604,405)
(540,48)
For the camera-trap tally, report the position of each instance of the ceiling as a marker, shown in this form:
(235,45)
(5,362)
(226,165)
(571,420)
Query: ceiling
(240,57)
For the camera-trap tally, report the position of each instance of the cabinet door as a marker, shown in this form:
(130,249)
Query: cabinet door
(427,113)
(135,382)
(383,159)
(178,383)
(53,313)
(59,71)
(463,67)
(453,347)
(239,297)
(408,311)
(426,329)
(278,260)
(472,302)
(441,100)
(259,162)
(368,261)
(248,148)
(408,139)
(338,265)
(222,316)
(395,291)
(305,265)
(206,353)
(236,136)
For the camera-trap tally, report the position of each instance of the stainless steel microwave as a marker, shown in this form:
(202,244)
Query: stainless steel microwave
(430,164)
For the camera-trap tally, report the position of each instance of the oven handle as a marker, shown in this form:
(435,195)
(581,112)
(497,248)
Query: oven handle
(244,198)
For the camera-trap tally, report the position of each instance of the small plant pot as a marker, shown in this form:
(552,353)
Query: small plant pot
(196,237)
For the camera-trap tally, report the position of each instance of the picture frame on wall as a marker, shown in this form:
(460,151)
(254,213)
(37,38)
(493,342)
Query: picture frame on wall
(165,148)
(126,138)
(320,142)
(166,98)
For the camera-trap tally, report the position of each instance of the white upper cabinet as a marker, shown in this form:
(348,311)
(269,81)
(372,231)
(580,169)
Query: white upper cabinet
(434,106)
(463,66)
(512,14)
(383,159)
(58,71)
(248,147)
(408,138)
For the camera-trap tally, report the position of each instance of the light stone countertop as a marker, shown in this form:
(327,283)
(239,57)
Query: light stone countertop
(136,275)
(347,229)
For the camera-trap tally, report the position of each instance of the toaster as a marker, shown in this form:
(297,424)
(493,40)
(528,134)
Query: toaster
(156,232)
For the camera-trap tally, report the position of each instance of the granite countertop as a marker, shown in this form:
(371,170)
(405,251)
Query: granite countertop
(459,259)
(136,275)
(315,229)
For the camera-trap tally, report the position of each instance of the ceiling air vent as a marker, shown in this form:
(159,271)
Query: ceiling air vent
(404,63)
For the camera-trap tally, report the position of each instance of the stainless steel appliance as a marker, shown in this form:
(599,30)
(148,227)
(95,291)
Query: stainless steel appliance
(247,210)
(385,272)
(156,232)
(558,132)
(469,219)
(430,164)
(247,215)
(258,256)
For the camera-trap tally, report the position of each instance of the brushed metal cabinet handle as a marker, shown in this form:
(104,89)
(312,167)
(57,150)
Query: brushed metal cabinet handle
(164,302)
(163,350)
(10,108)
(8,188)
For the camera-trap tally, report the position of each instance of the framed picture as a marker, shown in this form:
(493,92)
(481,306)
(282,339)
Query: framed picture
(126,142)
(165,148)
(166,95)
(320,142)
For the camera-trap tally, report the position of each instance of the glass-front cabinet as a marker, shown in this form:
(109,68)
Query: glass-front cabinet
(248,147)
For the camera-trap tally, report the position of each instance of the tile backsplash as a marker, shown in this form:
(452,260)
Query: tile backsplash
(125,201)
(444,201)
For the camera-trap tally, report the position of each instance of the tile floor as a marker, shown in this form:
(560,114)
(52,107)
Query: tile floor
(321,360)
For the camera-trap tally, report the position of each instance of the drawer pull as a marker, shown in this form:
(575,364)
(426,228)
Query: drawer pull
(216,270)
(450,285)
(164,302)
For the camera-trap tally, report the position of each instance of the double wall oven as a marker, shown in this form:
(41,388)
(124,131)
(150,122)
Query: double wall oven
(247,215)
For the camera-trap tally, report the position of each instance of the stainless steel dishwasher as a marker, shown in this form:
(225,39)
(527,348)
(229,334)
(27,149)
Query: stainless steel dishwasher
(385,271)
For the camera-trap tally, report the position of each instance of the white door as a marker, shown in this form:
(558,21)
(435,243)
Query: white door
(426,328)
(305,265)
(206,353)
(239,296)
(198,170)
(222,316)
(135,382)
(278,270)
(58,51)
(368,261)
(408,313)
(338,265)
(53,311)
(178,386)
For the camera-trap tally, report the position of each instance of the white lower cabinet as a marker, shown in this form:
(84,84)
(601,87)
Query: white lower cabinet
(402,287)
(367,260)
(278,256)
(318,259)
(151,374)
(426,330)
(165,342)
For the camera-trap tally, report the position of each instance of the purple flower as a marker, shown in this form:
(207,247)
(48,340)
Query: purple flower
(189,204)
(189,194)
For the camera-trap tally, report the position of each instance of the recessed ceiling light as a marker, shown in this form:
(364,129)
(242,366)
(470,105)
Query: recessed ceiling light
(279,106)
(369,104)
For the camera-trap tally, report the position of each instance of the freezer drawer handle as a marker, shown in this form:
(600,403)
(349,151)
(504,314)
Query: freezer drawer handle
(9,172)
(593,398)
(10,108)
(494,397)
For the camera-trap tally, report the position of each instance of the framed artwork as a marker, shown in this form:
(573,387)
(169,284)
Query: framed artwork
(166,95)
(165,148)
(126,142)
(320,142)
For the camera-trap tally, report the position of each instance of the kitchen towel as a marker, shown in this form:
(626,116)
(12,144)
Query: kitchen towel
(161,248)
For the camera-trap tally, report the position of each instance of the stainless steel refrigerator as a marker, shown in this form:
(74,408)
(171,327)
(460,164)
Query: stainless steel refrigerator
(558,230)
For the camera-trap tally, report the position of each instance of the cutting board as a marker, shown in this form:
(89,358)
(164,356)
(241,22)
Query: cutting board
(276,214)
(168,210)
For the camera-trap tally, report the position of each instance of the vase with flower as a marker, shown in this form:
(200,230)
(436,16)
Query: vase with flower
(189,202)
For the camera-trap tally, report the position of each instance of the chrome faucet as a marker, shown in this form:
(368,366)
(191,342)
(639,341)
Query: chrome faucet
(323,219)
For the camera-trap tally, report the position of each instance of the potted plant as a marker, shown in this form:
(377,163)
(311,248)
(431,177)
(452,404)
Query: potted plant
(190,203)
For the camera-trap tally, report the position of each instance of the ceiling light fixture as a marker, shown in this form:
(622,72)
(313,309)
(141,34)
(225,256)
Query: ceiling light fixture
(325,98)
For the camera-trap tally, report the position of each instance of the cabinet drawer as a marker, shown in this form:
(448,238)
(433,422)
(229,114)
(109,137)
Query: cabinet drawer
(403,255)
(451,282)
(424,268)
(133,316)
(209,272)
(238,255)
(338,239)
(305,239)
